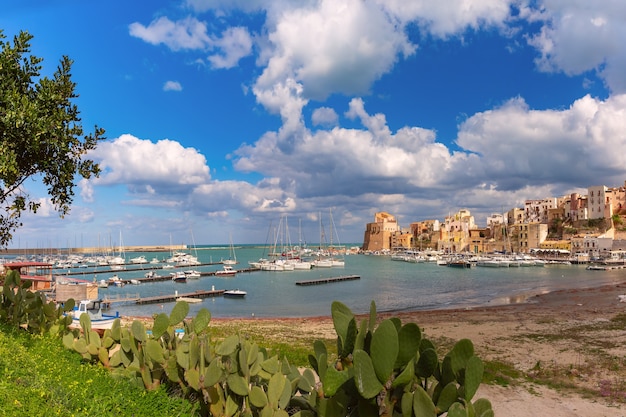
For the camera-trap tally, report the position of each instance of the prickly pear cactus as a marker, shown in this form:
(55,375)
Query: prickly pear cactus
(389,369)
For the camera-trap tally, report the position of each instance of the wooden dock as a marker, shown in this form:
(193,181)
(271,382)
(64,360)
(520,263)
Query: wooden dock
(328,280)
(173,297)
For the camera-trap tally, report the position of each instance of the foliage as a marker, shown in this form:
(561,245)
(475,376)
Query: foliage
(381,368)
(39,377)
(40,133)
(24,308)
(390,369)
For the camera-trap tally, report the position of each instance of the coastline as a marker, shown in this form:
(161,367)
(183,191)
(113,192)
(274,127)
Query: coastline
(571,339)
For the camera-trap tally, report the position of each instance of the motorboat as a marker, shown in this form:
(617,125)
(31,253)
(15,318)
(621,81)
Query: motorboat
(179,276)
(237,293)
(226,270)
(93,308)
(116,281)
(192,274)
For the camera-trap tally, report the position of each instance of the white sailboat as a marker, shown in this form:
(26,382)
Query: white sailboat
(232,258)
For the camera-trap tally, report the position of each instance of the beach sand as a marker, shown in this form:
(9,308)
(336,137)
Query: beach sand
(568,348)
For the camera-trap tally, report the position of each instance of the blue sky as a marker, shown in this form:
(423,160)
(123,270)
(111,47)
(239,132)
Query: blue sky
(222,116)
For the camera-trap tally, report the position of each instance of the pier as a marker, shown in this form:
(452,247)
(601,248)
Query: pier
(328,280)
(174,297)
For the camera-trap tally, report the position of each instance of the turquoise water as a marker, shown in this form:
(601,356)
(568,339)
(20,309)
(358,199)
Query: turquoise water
(393,285)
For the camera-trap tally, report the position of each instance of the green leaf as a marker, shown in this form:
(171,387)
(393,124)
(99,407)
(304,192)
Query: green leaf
(372,318)
(482,408)
(384,350)
(179,312)
(275,389)
(307,381)
(138,330)
(154,351)
(427,363)
(409,339)
(193,378)
(342,316)
(161,323)
(201,321)
(473,377)
(333,380)
(213,373)
(459,355)
(271,365)
(457,410)
(406,376)
(258,398)
(365,378)
(422,403)
(237,384)
(406,404)
(228,346)
(447,397)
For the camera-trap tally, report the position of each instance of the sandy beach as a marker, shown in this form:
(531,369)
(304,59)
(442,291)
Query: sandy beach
(563,353)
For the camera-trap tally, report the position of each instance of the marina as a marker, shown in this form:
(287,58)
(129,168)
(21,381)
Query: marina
(393,285)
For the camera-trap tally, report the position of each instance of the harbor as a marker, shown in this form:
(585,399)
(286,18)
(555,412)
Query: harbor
(393,285)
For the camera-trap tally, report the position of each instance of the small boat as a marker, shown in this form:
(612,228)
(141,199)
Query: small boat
(139,260)
(135,281)
(94,309)
(235,293)
(192,273)
(103,283)
(226,271)
(116,281)
(179,276)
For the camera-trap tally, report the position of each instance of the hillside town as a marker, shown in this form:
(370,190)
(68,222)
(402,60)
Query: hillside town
(580,227)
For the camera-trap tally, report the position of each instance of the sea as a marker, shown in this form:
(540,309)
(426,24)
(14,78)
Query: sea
(394,286)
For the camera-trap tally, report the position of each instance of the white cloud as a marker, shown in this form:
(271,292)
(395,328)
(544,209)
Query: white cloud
(581,36)
(334,46)
(519,146)
(324,116)
(235,43)
(172,86)
(147,167)
(187,33)
(451,17)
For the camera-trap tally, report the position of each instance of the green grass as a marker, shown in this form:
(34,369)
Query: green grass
(38,376)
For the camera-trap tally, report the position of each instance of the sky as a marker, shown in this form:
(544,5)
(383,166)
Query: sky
(223,117)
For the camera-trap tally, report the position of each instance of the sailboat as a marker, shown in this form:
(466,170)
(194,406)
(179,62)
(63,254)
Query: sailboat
(232,260)
(335,262)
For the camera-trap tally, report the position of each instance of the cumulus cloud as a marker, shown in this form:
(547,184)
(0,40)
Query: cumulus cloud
(581,36)
(147,167)
(172,86)
(352,161)
(519,146)
(448,18)
(311,50)
(334,46)
(235,43)
(188,33)
(324,116)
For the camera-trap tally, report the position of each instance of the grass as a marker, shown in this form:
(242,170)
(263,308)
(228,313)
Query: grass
(283,340)
(38,376)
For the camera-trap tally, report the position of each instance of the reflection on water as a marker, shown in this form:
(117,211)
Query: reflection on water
(393,285)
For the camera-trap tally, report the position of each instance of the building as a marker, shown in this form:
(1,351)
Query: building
(38,273)
(378,235)
(599,205)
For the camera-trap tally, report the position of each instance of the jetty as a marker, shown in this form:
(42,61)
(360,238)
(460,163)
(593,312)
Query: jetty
(175,297)
(328,280)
